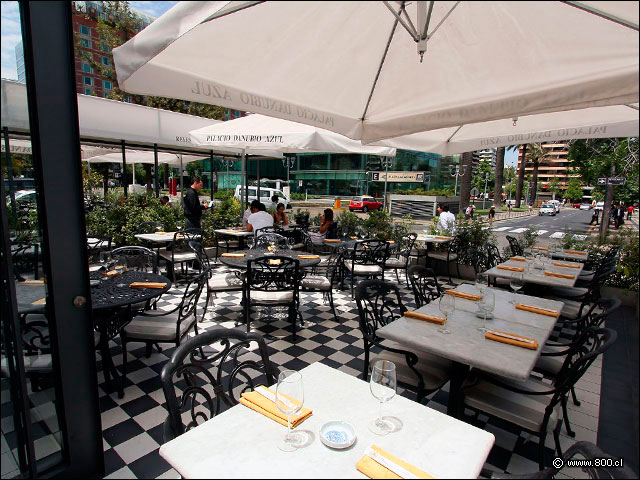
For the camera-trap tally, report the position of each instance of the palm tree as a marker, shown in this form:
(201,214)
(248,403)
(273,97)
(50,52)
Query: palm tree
(466,164)
(497,188)
(520,171)
(537,155)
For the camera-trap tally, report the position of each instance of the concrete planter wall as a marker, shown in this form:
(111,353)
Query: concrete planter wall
(629,299)
(420,206)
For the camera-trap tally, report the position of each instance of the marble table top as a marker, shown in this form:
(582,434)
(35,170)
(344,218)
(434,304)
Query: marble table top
(532,275)
(571,256)
(233,232)
(156,238)
(467,345)
(433,239)
(241,443)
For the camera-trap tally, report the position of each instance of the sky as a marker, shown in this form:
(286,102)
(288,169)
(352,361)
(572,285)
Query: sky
(11,36)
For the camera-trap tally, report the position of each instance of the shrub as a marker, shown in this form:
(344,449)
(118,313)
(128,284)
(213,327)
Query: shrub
(433,192)
(222,216)
(301,216)
(379,225)
(474,235)
(349,222)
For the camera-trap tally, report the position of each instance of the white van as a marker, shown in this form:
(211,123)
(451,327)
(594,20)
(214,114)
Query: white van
(266,194)
(556,205)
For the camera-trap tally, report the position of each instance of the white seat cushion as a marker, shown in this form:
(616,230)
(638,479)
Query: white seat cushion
(526,411)
(181,256)
(316,282)
(569,292)
(363,269)
(275,297)
(95,268)
(442,256)
(550,365)
(225,281)
(395,262)
(40,363)
(160,327)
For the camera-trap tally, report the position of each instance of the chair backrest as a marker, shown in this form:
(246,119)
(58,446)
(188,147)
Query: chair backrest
(515,247)
(208,373)
(424,284)
(95,245)
(370,252)
(264,240)
(596,314)
(149,227)
(203,258)
(493,255)
(479,259)
(379,304)
(261,231)
(273,273)
(405,244)
(189,302)
(182,238)
(137,258)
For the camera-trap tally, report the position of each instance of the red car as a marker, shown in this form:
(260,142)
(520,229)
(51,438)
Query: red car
(364,203)
(576,205)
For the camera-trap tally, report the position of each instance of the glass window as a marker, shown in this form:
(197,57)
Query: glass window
(106,94)
(85,42)
(86,68)
(107,85)
(84,30)
(106,61)
(87,80)
(86,91)
(127,99)
(105,48)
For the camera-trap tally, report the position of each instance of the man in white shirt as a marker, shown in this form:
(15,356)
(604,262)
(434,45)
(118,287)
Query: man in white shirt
(447,220)
(253,208)
(259,219)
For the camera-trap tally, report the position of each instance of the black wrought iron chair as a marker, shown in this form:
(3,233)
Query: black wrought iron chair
(399,259)
(515,247)
(136,258)
(208,373)
(324,283)
(25,259)
(379,304)
(533,405)
(366,259)
(179,252)
(424,284)
(263,241)
(493,255)
(272,281)
(454,250)
(479,259)
(164,327)
(96,245)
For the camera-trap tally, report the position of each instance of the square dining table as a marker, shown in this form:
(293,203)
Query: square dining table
(538,276)
(242,443)
(467,347)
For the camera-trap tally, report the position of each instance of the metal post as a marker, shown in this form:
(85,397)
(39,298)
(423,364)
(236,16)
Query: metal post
(258,176)
(606,208)
(386,161)
(155,170)
(228,182)
(181,181)
(486,179)
(7,152)
(245,184)
(211,172)
(124,168)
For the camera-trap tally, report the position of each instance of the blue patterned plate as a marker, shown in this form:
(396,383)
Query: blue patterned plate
(337,434)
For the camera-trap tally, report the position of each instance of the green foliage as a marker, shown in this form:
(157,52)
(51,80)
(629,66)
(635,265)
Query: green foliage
(478,178)
(574,189)
(301,216)
(379,225)
(24,224)
(350,222)
(573,241)
(433,192)
(317,220)
(223,194)
(223,215)
(473,234)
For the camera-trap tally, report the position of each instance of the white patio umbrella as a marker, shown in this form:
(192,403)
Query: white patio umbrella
(374,70)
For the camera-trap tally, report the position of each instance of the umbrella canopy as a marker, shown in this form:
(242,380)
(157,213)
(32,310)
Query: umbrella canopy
(597,122)
(373,70)
(140,156)
(262,132)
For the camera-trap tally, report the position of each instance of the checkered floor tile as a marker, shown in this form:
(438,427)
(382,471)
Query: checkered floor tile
(132,426)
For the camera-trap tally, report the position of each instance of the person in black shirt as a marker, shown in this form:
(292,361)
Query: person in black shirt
(192,207)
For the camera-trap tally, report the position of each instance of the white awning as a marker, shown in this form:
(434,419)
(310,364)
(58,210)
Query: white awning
(141,156)
(354,68)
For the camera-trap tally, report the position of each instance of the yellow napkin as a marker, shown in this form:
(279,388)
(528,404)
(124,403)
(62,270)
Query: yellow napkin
(42,301)
(160,233)
(232,255)
(110,274)
(268,408)
(332,240)
(391,242)
(534,309)
(32,282)
(274,262)
(438,237)
(560,275)
(147,285)
(373,469)
(468,296)
(540,248)
(353,238)
(513,269)
(517,259)
(493,336)
(308,256)
(426,317)
(575,252)
(567,265)
(180,236)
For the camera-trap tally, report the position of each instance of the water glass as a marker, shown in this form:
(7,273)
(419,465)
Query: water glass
(447,305)
(487,304)
(289,400)
(482,281)
(516,283)
(383,384)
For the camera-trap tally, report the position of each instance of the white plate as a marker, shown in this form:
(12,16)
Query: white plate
(337,434)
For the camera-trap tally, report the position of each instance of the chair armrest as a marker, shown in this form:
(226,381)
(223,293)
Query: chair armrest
(495,381)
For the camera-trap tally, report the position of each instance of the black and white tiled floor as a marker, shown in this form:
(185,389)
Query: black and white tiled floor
(132,426)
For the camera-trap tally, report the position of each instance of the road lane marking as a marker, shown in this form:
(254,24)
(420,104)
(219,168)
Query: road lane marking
(518,230)
(557,235)
(541,232)
(501,229)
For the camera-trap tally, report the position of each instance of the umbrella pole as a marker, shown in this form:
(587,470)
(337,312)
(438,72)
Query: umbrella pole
(155,169)
(243,181)
(181,180)
(124,168)
(258,176)
(12,191)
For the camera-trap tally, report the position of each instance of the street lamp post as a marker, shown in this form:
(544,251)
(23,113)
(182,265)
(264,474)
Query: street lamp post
(428,175)
(458,172)
(386,162)
(288,163)
(228,162)
(486,179)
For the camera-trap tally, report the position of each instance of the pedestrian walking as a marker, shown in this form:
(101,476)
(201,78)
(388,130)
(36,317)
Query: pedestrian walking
(594,217)
(508,210)
(492,215)
(629,212)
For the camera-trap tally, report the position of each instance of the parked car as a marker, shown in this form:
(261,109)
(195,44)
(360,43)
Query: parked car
(576,205)
(585,206)
(547,209)
(555,204)
(24,198)
(266,194)
(364,203)
(600,206)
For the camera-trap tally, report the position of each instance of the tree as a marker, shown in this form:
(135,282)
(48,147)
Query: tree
(554,186)
(465,180)
(497,190)
(510,181)
(537,156)
(523,162)
(478,179)
(574,189)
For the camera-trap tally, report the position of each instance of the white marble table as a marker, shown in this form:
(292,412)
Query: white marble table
(241,443)
(432,238)
(467,347)
(156,238)
(232,232)
(531,275)
(571,256)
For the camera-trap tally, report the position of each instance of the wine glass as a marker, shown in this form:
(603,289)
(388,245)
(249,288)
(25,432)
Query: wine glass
(383,387)
(103,258)
(487,303)
(482,281)
(291,241)
(516,283)
(121,267)
(447,305)
(289,400)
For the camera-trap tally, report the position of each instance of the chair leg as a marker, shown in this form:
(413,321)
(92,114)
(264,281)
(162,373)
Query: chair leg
(124,359)
(565,415)
(543,436)
(406,275)
(333,308)
(365,368)
(576,402)
(293,319)
(556,438)
(397,277)
(148,347)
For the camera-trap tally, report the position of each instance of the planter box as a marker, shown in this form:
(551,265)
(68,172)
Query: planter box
(420,206)
(629,299)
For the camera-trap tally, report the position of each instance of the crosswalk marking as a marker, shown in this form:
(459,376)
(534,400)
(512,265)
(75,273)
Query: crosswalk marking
(501,229)
(580,237)
(541,232)
(557,235)
(518,230)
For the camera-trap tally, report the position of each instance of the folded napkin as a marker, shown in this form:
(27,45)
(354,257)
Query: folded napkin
(512,339)
(560,275)
(179,236)
(332,240)
(567,265)
(517,259)
(377,463)
(231,230)
(32,282)
(42,301)
(426,317)
(540,248)
(353,238)
(575,252)
(391,242)
(265,403)
(274,262)
(438,237)
(513,269)
(110,274)
(534,309)
(160,233)
(232,255)
(147,285)
(468,296)
(308,256)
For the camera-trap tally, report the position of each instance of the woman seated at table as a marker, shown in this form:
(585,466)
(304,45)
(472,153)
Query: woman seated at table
(328,228)
(280,217)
